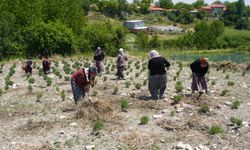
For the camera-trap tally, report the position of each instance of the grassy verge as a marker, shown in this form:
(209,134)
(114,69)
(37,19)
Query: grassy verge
(190,55)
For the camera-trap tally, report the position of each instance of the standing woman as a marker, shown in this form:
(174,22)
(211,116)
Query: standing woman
(46,65)
(199,68)
(99,57)
(157,75)
(121,62)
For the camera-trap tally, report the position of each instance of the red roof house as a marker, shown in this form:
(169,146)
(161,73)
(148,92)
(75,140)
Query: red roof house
(214,8)
(156,9)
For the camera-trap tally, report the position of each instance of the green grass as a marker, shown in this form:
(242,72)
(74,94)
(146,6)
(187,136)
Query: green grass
(236,121)
(204,108)
(124,104)
(234,32)
(235,105)
(177,99)
(191,55)
(215,129)
(97,126)
(144,120)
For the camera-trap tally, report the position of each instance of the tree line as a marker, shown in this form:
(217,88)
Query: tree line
(205,36)
(27,27)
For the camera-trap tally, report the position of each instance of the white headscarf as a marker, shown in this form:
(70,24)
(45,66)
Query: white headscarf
(121,51)
(153,54)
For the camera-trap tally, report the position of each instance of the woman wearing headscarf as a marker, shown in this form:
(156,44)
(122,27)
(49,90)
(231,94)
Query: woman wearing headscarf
(121,62)
(46,65)
(27,66)
(81,80)
(157,75)
(199,68)
(99,57)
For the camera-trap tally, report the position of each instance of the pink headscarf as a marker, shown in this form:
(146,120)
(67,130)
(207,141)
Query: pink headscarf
(153,54)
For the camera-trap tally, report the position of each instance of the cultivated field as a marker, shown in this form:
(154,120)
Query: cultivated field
(38,112)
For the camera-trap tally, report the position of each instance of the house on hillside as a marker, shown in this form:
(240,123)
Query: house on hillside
(156,10)
(214,9)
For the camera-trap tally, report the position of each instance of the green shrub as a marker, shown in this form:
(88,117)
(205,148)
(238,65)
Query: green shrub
(224,92)
(55,35)
(48,81)
(144,120)
(124,105)
(178,87)
(227,76)
(215,129)
(127,84)
(30,88)
(138,86)
(66,78)
(132,95)
(230,83)
(177,99)
(145,82)
(213,82)
(204,108)
(235,105)
(8,82)
(97,126)
(66,69)
(40,71)
(105,78)
(1,92)
(137,74)
(31,80)
(63,95)
(236,121)
(6,87)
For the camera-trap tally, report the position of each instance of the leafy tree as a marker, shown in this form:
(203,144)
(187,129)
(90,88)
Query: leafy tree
(243,23)
(68,11)
(122,8)
(201,15)
(86,6)
(241,8)
(105,35)
(144,4)
(247,11)
(141,40)
(154,42)
(198,3)
(183,6)
(185,18)
(217,2)
(216,28)
(53,35)
(167,4)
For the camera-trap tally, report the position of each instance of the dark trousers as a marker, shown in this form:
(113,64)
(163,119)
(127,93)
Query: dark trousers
(157,83)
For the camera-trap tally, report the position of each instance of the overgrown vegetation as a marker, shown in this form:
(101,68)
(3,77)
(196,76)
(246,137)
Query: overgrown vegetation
(215,129)
(235,104)
(144,120)
(236,121)
(124,104)
(97,126)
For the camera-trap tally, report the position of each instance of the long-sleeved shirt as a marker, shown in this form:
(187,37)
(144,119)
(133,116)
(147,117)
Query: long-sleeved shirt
(157,65)
(99,57)
(80,78)
(121,60)
(196,68)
